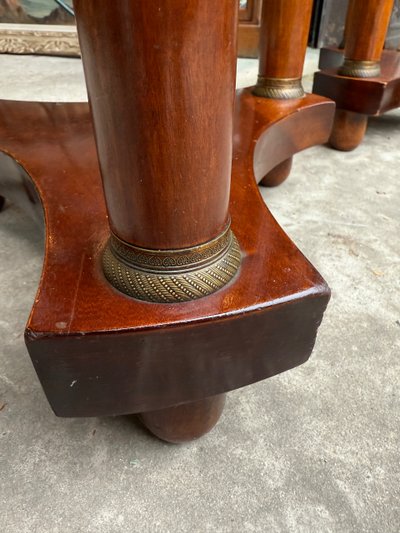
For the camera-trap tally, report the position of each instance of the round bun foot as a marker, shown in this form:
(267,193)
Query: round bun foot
(183,423)
(278,174)
(348,130)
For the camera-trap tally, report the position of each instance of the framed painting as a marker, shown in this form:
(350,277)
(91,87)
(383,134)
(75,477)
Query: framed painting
(38,27)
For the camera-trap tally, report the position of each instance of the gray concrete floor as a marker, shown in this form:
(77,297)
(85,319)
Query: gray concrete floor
(313,450)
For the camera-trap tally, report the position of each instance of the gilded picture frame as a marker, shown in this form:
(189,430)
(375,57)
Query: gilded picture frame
(38,27)
(39,39)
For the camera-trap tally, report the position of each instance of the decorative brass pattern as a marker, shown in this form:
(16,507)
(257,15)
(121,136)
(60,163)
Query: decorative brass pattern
(280,88)
(172,276)
(360,69)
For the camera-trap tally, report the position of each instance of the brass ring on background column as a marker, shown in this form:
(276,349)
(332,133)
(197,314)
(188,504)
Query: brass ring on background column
(172,276)
(280,88)
(354,68)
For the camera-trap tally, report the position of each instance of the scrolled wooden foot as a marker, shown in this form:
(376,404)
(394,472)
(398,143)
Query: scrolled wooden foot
(186,422)
(348,130)
(278,174)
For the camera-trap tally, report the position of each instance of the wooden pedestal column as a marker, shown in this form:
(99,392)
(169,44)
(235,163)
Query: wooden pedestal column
(164,141)
(283,42)
(360,85)
(367,22)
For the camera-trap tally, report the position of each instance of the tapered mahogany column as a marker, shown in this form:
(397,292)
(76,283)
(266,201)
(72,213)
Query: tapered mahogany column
(367,22)
(283,41)
(161,80)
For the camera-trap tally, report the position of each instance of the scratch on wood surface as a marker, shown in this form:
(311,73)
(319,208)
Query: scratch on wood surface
(78,283)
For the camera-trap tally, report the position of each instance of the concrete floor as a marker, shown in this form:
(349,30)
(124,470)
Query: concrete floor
(314,450)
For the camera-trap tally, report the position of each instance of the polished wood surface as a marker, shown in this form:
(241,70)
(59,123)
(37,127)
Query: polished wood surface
(161,78)
(175,163)
(249,29)
(283,37)
(186,422)
(248,40)
(367,22)
(363,79)
(284,33)
(277,175)
(348,130)
(98,352)
(293,125)
(369,96)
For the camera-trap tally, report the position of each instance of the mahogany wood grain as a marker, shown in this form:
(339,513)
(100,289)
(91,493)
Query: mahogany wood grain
(357,92)
(161,79)
(290,126)
(284,33)
(248,40)
(367,22)
(98,352)
(362,96)
(283,37)
(165,129)
(348,130)
(185,422)
(249,29)
(278,174)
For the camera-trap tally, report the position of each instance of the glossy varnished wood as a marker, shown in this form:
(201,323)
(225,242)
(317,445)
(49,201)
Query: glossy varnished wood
(277,175)
(348,130)
(365,96)
(367,22)
(283,127)
(98,352)
(358,97)
(284,32)
(283,37)
(186,422)
(249,29)
(161,79)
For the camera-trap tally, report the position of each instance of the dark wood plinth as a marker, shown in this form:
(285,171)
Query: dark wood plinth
(357,98)
(98,352)
(363,79)
(368,96)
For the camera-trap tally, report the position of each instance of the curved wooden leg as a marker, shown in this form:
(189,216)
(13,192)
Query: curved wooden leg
(185,422)
(348,130)
(278,174)
(2,202)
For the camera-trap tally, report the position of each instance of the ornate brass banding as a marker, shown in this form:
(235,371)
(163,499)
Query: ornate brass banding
(281,88)
(171,276)
(360,69)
